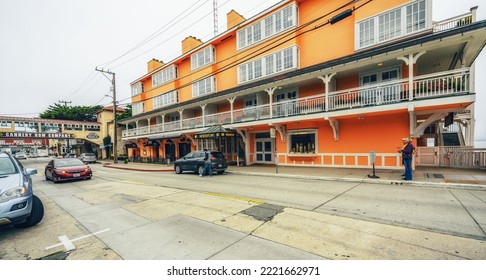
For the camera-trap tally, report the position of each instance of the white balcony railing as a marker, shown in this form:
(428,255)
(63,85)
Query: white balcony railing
(428,86)
(453,22)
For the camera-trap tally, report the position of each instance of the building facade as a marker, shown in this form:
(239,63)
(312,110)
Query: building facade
(314,83)
(47,136)
(105,118)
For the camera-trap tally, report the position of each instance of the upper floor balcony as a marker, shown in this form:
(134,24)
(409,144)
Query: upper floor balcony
(396,94)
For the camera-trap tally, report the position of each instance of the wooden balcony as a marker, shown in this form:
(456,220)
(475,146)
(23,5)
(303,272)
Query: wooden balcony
(434,86)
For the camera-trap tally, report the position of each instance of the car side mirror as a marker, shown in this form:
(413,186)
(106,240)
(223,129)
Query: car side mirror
(30,171)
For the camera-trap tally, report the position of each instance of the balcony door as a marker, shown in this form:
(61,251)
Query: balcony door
(287,107)
(384,94)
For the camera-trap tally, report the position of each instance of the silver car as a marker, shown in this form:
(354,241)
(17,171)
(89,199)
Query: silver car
(88,157)
(18,205)
(20,155)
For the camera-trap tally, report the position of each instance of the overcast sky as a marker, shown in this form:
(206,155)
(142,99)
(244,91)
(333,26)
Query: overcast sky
(50,48)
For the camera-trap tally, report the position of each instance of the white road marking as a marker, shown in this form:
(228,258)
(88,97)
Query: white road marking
(99,171)
(68,244)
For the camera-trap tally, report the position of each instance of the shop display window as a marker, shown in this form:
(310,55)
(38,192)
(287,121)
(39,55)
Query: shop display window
(302,142)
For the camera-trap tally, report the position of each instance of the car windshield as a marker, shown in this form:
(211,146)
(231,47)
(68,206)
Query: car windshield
(68,162)
(6,166)
(217,154)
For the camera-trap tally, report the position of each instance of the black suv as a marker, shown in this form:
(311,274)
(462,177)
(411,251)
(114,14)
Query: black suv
(195,162)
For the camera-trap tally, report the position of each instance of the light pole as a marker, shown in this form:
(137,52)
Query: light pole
(115,153)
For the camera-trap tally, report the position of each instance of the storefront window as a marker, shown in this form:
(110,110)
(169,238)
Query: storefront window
(302,142)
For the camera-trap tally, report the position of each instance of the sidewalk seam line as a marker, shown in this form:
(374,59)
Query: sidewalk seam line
(467,211)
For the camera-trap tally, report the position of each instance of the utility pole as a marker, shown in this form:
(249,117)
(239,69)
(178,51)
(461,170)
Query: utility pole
(113,84)
(215,17)
(65,102)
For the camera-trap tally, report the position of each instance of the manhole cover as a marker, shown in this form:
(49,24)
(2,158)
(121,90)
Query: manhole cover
(435,176)
(57,256)
(263,212)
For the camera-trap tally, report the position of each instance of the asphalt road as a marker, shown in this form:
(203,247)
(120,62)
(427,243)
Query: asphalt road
(136,215)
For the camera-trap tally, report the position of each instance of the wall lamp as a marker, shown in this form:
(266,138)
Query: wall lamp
(341,16)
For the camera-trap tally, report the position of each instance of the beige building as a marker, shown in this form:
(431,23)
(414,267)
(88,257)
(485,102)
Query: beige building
(105,118)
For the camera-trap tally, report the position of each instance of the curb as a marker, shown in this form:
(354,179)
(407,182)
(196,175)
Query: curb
(137,169)
(370,181)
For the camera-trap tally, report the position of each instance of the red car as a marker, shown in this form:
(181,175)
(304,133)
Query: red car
(64,169)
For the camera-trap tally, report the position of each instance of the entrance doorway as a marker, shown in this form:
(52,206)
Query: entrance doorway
(184,149)
(264,148)
(170,151)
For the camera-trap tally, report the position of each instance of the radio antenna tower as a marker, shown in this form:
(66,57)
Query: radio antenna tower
(215,15)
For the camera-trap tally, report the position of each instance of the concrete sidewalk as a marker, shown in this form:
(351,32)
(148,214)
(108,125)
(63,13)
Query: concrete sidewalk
(422,176)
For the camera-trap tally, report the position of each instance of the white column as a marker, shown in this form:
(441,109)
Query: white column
(148,125)
(270,92)
(327,80)
(163,123)
(203,110)
(232,101)
(180,118)
(136,124)
(411,60)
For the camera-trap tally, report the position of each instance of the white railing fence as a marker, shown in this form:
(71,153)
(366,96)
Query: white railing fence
(453,22)
(426,86)
(459,157)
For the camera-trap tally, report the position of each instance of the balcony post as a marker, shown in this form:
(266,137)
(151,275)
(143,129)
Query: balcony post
(180,118)
(163,123)
(136,124)
(203,110)
(148,125)
(411,60)
(326,79)
(231,101)
(270,92)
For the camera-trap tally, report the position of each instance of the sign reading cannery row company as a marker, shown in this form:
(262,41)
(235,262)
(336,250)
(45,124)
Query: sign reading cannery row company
(36,135)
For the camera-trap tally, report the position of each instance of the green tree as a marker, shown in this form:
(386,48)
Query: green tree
(125,115)
(72,113)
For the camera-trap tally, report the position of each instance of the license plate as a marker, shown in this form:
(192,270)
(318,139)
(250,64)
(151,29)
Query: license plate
(75,175)
(220,165)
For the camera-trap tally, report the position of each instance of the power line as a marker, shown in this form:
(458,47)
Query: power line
(157,33)
(168,39)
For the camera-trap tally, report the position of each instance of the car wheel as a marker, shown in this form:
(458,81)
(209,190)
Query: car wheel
(200,169)
(47,178)
(54,179)
(178,169)
(36,214)
(220,172)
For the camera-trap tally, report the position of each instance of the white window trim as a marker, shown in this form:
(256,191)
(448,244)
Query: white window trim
(195,87)
(261,22)
(212,57)
(137,88)
(378,74)
(163,73)
(404,34)
(294,132)
(296,64)
(162,97)
(138,108)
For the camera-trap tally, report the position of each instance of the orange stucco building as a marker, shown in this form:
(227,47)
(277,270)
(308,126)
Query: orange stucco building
(315,83)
